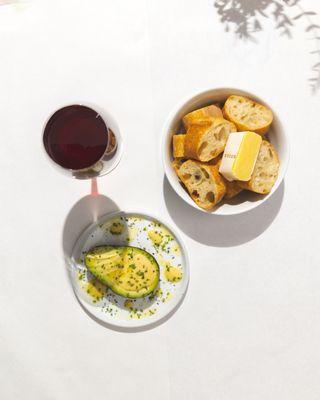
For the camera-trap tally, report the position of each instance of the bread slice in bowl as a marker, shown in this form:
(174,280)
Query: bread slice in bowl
(247,115)
(203,182)
(200,114)
(178,145)
(207,139)
(265,172)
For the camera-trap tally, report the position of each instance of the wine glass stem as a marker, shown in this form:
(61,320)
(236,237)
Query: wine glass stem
(94,187)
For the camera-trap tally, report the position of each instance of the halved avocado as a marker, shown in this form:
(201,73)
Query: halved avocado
(128,271)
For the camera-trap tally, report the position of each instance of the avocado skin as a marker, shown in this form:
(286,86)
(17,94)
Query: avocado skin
(120,250)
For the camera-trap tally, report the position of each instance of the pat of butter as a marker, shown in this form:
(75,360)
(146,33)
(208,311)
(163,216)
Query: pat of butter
(240,156)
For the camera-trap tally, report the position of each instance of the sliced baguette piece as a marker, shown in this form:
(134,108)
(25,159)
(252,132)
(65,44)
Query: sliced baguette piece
(178,145)
(207,139)
(247,115)
(200,114)
(265,172)
(232,188)
(203,182)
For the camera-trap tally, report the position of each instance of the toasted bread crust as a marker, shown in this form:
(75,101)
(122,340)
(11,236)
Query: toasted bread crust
(247,115)
(233,189)
(193,138)
(211,133)
(178,145)
(202,113)
(219,182)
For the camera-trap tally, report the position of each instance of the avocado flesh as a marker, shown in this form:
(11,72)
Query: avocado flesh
(128,271)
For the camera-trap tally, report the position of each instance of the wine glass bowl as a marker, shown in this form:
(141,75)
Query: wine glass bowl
(82,141)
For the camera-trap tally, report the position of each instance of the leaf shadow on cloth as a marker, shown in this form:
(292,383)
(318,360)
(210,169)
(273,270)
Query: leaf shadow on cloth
(246,18)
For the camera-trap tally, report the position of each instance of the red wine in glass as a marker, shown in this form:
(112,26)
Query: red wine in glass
(76,137)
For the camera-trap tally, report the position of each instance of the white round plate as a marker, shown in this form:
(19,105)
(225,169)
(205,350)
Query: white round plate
(111,308)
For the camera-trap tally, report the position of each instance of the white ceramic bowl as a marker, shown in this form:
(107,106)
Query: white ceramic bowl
(246,200)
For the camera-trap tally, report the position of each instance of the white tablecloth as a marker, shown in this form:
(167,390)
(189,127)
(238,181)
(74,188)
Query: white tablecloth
(249,326)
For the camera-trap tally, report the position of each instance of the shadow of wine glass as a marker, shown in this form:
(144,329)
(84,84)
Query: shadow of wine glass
(218,230)
(85,212)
